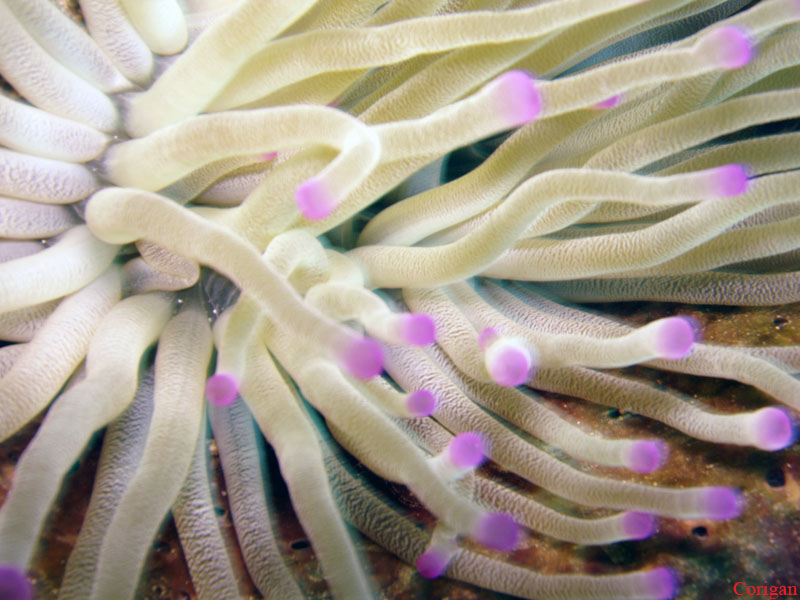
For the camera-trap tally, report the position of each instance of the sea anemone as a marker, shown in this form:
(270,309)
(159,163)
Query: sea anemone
(367,233)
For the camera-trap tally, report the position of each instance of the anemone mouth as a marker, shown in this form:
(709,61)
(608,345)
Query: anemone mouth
(381,243)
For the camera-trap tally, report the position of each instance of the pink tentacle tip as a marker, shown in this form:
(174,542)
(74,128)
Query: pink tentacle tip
(314,200)
(521,101)
(363,358)
(14,585)
(421,403)
(466,450)
(609,102)
(432,564)
(674,338)
(722,503)
(497,531)
(663,583)
(509,363)
(638,525)
(418,329)
(731,48)
(222,389)
(772,429)
(646,456)
(266,156)
(730,180)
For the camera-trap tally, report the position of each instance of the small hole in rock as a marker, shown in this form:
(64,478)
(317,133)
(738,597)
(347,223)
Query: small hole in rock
(700,531)
(775,478)
(300,544)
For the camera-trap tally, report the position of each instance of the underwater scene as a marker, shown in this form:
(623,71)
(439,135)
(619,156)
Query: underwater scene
(448,299)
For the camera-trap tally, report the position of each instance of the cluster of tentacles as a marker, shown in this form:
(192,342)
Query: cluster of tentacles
(251,212)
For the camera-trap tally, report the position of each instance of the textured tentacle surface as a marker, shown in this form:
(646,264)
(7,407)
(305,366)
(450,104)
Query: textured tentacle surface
(509,288)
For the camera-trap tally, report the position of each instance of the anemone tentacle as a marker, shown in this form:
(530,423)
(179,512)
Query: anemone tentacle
(223,219)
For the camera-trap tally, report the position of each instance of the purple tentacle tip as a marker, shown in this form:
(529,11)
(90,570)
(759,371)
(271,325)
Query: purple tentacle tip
(732,48)
(731,180)
(509,364)
(432,564)
(497,531)
(645,456)
(363,358)
(466,450)
(609,102)
(638,525)
(314,200)
(13,584)
(772,429)
(421,403)
(222,389)
(418,329)
(674,338)
(663,583)
(721,503)
(522,101)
